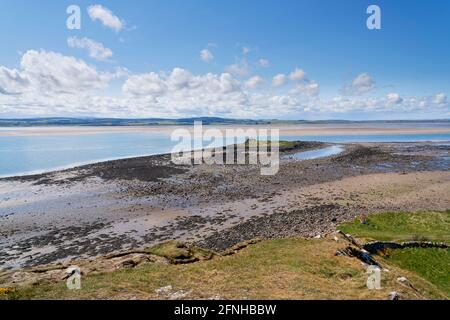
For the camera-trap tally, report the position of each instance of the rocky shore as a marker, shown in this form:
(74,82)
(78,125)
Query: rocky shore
(103,208)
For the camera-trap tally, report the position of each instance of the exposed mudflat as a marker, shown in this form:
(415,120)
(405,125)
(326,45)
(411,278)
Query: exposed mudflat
(105,207)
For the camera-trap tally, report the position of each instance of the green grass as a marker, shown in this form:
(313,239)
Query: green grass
(427,226)
(280,269)
(275,269)
(430,264)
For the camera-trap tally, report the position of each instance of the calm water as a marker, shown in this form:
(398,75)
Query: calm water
(31,154)
(319,153)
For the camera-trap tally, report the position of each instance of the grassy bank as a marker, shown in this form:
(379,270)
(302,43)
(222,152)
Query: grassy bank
(281,269)
(402,226)
(431,264)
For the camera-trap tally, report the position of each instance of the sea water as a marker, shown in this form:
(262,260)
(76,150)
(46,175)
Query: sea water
(25,154)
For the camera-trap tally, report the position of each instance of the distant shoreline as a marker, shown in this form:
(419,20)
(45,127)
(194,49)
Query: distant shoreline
(286,129)
(115,122)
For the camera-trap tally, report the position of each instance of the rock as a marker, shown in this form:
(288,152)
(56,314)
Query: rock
(164,290)
(180,253)
(358,253)
(168,293)
(349,238)
(393,295)
(181,294)
(404,281)
(379,246)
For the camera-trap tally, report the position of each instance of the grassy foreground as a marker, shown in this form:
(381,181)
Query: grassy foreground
(402,226)
(430,264)
(282,269)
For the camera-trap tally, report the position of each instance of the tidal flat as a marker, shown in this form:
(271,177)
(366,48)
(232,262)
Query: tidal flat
(102,208)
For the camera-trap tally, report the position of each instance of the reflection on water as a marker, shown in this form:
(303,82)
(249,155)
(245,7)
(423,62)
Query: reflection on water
(444,137)
(314,154)
(26,154)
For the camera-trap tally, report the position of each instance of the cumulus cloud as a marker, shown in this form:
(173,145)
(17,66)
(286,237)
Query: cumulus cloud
(206,55)
(440,98)
(181,82)
(51,84)
(263,63)
(297,75)
(310,88)
(279,80)
(187,94)
(47,71)
(246,50)
(12,81)
(254,82)
(363,83)
(145,84)
(239,69)
(394,98)
(95,49)
(106,17)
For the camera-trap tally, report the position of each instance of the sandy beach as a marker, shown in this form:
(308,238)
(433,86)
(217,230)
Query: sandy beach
(285,129)
(106,207)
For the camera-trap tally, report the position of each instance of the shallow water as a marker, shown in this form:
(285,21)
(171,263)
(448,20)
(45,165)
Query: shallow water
(314,154)
(445,137)
(40,153)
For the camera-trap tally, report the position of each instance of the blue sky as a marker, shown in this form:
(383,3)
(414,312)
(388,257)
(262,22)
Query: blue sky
(329,64)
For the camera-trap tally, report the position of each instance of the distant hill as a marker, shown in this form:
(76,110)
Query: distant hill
(60,121)
(119,122)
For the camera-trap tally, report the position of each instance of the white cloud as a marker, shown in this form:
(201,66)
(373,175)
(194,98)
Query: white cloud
(12,81)
(51,84)
(310,88)
(48,71)
(240,69)
(95,49)
(297,75)
(146,84)
(363,83)
(263,63)
(181,82)
(186,94)
(246,50)
(279,80)
(394,98)
(180,78)
(206,55)
(254,82)
(440,98)
(106,17)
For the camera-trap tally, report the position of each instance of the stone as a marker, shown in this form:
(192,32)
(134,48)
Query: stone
(164,290)
(181,294)
(406,282)
(393,295)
